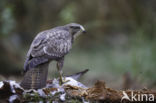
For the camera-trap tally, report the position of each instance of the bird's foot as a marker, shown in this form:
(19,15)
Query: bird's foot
(63,80)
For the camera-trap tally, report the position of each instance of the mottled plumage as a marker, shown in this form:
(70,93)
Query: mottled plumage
(51,44)
(48,45)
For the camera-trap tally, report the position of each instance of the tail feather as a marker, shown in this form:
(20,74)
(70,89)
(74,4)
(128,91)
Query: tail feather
(35,78)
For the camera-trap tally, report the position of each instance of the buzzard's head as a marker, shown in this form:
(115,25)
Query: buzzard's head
(75,29)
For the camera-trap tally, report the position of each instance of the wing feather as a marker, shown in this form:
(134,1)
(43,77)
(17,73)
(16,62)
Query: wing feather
(47,45)
(51,43)
(37,45)
(57,46)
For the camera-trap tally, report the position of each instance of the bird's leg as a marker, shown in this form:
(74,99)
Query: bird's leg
(60,73)
(59,67)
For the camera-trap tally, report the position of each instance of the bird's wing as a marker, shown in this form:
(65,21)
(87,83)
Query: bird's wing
(59,44)
(36,48)
(76,76)
(55,43)
(47,45)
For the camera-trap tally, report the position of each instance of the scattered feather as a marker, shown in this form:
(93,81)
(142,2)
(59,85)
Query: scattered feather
(12,98)
(1,84)
(62,97)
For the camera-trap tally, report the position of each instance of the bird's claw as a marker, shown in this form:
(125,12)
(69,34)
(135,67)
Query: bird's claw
(63,80)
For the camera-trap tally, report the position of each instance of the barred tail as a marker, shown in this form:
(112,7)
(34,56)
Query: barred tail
(36,78)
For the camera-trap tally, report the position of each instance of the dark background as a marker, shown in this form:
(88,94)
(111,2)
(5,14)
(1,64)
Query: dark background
(119,47)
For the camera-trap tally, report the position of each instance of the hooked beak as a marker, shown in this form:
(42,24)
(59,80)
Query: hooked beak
(83,30)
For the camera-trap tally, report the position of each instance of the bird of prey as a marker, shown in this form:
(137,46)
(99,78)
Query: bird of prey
(48,45)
